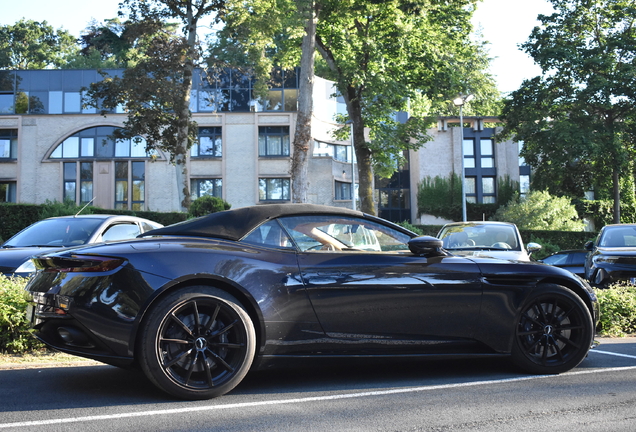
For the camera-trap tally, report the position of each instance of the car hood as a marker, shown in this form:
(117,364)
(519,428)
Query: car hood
(12,258)
(617,251)
(504,255)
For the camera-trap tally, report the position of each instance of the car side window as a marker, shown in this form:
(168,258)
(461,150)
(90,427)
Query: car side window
(318,233)
(270,234)
(121,231)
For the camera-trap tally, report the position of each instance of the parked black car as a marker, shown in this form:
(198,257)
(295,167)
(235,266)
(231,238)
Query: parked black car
(66,231)
(197,304)
(612,256)
(571,260)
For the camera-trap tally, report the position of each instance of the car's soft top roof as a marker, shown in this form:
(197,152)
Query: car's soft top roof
(236,223)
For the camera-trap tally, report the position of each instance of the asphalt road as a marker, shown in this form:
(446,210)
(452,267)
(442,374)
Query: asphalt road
(466,395)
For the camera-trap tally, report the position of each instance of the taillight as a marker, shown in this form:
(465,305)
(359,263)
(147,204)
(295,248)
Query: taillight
(77,263)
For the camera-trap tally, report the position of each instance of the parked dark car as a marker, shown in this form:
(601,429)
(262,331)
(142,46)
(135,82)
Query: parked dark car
(612,256)
(66,231)
(195,305)
(488,239)
(571,260)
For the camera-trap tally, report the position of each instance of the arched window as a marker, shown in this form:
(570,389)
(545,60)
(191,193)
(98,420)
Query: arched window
(94,164)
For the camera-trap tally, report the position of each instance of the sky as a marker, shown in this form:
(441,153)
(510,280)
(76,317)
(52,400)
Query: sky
(504,23)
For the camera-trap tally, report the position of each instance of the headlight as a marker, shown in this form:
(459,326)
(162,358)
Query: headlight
(26,267)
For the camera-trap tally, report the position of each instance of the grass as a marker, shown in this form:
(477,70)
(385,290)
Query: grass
(42,358)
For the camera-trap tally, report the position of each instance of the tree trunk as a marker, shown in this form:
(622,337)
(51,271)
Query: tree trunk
(617,194)
(363,155)
(303,136)
(181,158)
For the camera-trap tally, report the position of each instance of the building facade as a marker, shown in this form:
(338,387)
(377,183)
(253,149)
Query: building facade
(52,147)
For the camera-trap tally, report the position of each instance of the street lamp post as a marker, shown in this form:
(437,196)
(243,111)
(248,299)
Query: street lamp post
(460,101)
(353,167)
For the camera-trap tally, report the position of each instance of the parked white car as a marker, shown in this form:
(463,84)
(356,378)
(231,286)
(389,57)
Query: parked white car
(486,239)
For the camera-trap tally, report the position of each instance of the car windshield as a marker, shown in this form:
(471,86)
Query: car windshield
(480,236)
(621,236)
(55,233)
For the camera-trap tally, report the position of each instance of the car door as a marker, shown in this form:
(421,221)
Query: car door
(381,288)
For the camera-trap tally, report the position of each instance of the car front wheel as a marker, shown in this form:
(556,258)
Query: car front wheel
(197,343)
(554,331)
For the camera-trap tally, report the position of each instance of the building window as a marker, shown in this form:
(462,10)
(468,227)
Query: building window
(524,174)
(343,191)
(7,192)
(470,189)
(8,144)
(273,141)
(488,190)
(130,185)
(274,189)
(480,181)
(209,143)
(338,152)
(86,182)
(203,187)
(70,181)
(487,153)
(95,143)
(469,153)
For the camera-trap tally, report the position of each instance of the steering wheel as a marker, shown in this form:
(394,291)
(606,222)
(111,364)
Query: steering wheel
(501,245)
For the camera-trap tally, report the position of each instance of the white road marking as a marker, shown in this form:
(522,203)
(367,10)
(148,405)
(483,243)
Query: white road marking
(301,400)
(612,353)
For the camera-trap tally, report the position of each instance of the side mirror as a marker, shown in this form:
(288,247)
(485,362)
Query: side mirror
(427,246)
(589,245)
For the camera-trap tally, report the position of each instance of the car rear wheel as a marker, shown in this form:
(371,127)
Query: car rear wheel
(554,331)
(197,343)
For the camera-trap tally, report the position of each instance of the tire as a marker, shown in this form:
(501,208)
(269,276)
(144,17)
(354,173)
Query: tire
(197,343)
(553,331)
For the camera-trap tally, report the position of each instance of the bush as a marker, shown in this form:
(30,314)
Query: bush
(618,310)
(208,204)
(541,211)
(411,227)
(14,327)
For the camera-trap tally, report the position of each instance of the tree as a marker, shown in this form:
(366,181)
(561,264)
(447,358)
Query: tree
(577,119)
(541,211)
(272,34)
(387,57)
(113,44)
(384,57)
(156,90)
(30,44)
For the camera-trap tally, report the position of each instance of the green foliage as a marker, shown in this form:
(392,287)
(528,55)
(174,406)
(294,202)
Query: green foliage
(547,248)
(602,212)
(363,47)
(409,226)
(541,211)
(507,189)
(618,310)
(14,327)
(156,89)
(208,204)
(29,44)
(577,118)
(440,196)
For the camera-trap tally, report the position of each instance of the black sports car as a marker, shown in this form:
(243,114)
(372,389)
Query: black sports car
(612,256)
(197,304)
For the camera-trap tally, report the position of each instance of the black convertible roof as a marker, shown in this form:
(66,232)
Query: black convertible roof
(236,223)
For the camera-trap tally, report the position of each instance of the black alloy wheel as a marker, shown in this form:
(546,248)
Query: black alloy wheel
(554,331)
(198,343)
